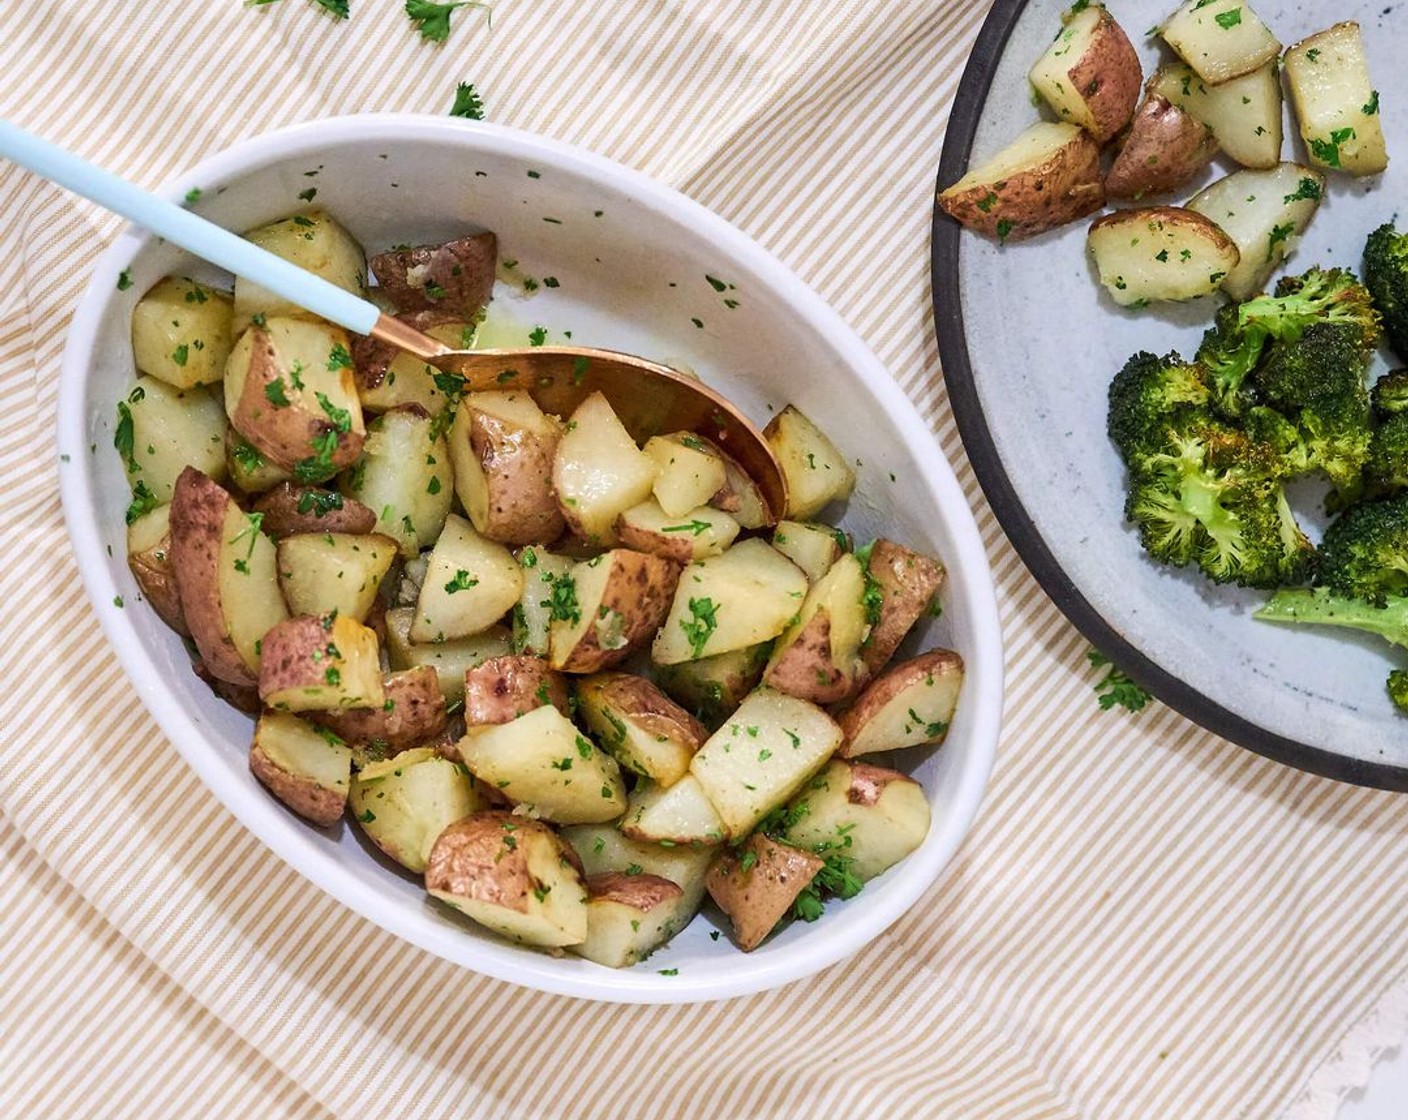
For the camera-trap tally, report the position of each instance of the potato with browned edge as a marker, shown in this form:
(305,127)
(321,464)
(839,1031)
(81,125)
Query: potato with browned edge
(641,727)
(412,713)
(317,662)
(817,657)
(226,576)
(501,689)
(149,557)
(906,583)
(677,814)
(1160,253)
(1219,39)
(909,704)
(1047,176)
(757,883)
(1166,148)
(316,243)
(1090,74)
(502,446)
(288,509)
(630,916)
(455,277)
(607,607)
(307,770)
(700,533)
(598,472)
(289,392)
(512,874)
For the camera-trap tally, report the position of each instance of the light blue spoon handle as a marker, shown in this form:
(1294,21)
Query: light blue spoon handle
(190,231)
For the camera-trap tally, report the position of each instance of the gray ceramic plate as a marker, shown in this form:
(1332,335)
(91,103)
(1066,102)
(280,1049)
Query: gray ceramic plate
(1029,343)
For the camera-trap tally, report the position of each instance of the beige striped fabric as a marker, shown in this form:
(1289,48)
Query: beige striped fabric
(1146,922)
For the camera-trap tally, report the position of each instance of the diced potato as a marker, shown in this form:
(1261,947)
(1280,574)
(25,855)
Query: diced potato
(910,704)
(404,803)
(307,770)
(1090,75)
(712,687)
(641,727)
(676,814)
(816,472)
(1335,101)
(470,584)
(501,689)
(1220,39)
(1160,253)
(404,475)
(532,617)
(181,332)
(161,431)
(289,392)
(449,659)
(905,583)
(1244,113)
(608,607)
(602,848)
(456,277)
(772,744)
(542,762)
(388,377)
(412,715)
(740,495)
(699,533)
(756,885)
(511,874)
(312,662)
(687,474)
(874,817)
(1047,176)
(325,573)
(149,558)
(813,548)
(817,657)
(314,242)
(629,917)
(502,446)
(599,472)
(226,575)
(1166,147)
(1265,213)
(743,597)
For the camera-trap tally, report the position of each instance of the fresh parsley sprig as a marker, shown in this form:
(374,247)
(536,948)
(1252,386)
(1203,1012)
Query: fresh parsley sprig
(1115,687)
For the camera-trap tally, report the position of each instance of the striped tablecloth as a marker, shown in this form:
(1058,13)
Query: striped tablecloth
(1146,922)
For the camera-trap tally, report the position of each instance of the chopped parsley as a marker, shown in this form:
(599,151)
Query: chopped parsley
(1308,190)
(1328,151)
(433,20)
(339,358)
(123,438)
(143,502)
(1229,19)
(1371,108)
(461,581)
(696,527)
(319,502)
(701,625)
(340,418)
(276,393)
(181,354)
(1116,688)
(562,601)
(124,280)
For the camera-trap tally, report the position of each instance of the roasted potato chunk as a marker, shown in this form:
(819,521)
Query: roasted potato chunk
(404,803)
(501,689)
(1160,253)
(455,278)
(1166,148)
(756,885)
(471,582)
(412,713)
(289,509)
(607,607)
(149,557)
(404,475)
(816,472)
(1336,103)
(181,332)
(598,472)
(502,446)
(904,583)
(641,727)
(334,573)
(1090,75)
(318,662)
(629,917)
(314,242)
(910,704)
(308,771)
(161,431)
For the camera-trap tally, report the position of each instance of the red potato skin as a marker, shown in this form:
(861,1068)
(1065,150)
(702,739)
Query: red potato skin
(463,270)
(371,357)
(282,519)
(805,669)
(641,589)
(158,583)
(518,470)
(643,892)
(757,899)
(868,782)
(501,689)
(1165,149)
(284,435)
(908,581)
(482,856)
(1114,73)
(416,714)
(198,507)
(311,802)
(883,689)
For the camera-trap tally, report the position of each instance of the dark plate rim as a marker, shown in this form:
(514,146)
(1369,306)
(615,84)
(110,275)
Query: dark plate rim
(991,473)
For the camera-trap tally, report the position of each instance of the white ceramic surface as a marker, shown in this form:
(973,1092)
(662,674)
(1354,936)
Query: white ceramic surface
(1045,341)
(631,259)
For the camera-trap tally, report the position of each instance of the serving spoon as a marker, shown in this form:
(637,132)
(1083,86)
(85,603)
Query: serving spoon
(650,398)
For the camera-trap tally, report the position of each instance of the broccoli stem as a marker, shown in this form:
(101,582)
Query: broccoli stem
(1320,607)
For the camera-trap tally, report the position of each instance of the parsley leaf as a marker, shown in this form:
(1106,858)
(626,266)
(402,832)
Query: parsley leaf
(1116,688)
(143,502)
(701,626)
(432,20)
(467,103)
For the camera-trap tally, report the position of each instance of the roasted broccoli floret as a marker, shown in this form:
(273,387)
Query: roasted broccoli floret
(1386,277)
(1322,607)
(1149,395)
(1229,354)
(1213,499)
(1317,382)
(1386,471)
(1365,553)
